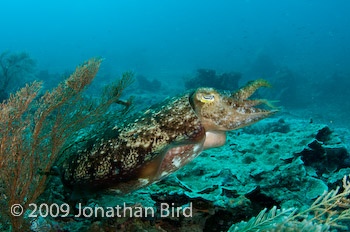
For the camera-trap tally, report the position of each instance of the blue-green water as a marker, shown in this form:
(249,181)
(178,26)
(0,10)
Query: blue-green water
(301,47)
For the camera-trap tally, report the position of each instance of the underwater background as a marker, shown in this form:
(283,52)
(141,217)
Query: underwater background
(301,47)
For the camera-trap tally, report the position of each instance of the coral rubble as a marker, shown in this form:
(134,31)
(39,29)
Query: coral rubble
(281,162)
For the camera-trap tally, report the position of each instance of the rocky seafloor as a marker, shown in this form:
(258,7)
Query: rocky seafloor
(282,161)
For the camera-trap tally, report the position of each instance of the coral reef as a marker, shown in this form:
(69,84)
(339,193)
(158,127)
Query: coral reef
(14,66)
(284,164)
(147,85)
(209,78)
(334,88)
(286,89)
(260,167)
(263,65)
(331,209)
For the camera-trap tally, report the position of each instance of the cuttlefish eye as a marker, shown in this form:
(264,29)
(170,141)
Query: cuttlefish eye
(207,98)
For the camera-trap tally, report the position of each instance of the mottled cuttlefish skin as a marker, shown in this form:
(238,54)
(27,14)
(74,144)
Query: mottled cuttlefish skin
(160,141)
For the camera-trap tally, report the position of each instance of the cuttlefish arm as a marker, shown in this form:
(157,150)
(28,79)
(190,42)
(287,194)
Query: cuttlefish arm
(250,88)
(152,145)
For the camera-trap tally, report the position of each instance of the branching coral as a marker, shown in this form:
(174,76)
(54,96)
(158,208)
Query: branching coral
(33,131)
(329,210)
(13,65)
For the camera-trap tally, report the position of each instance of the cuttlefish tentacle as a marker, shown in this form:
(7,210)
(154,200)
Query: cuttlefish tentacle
(251,103)
(247,90)
(152,145)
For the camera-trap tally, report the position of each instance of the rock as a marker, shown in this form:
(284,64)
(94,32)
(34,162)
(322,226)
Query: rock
(326,153)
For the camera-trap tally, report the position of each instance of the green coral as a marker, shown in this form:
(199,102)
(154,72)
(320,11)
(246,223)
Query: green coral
(328,211)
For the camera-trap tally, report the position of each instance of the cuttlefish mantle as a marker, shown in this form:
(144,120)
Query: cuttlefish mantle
(163,139)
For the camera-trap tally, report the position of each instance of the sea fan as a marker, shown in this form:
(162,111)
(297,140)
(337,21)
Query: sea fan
(264,220)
